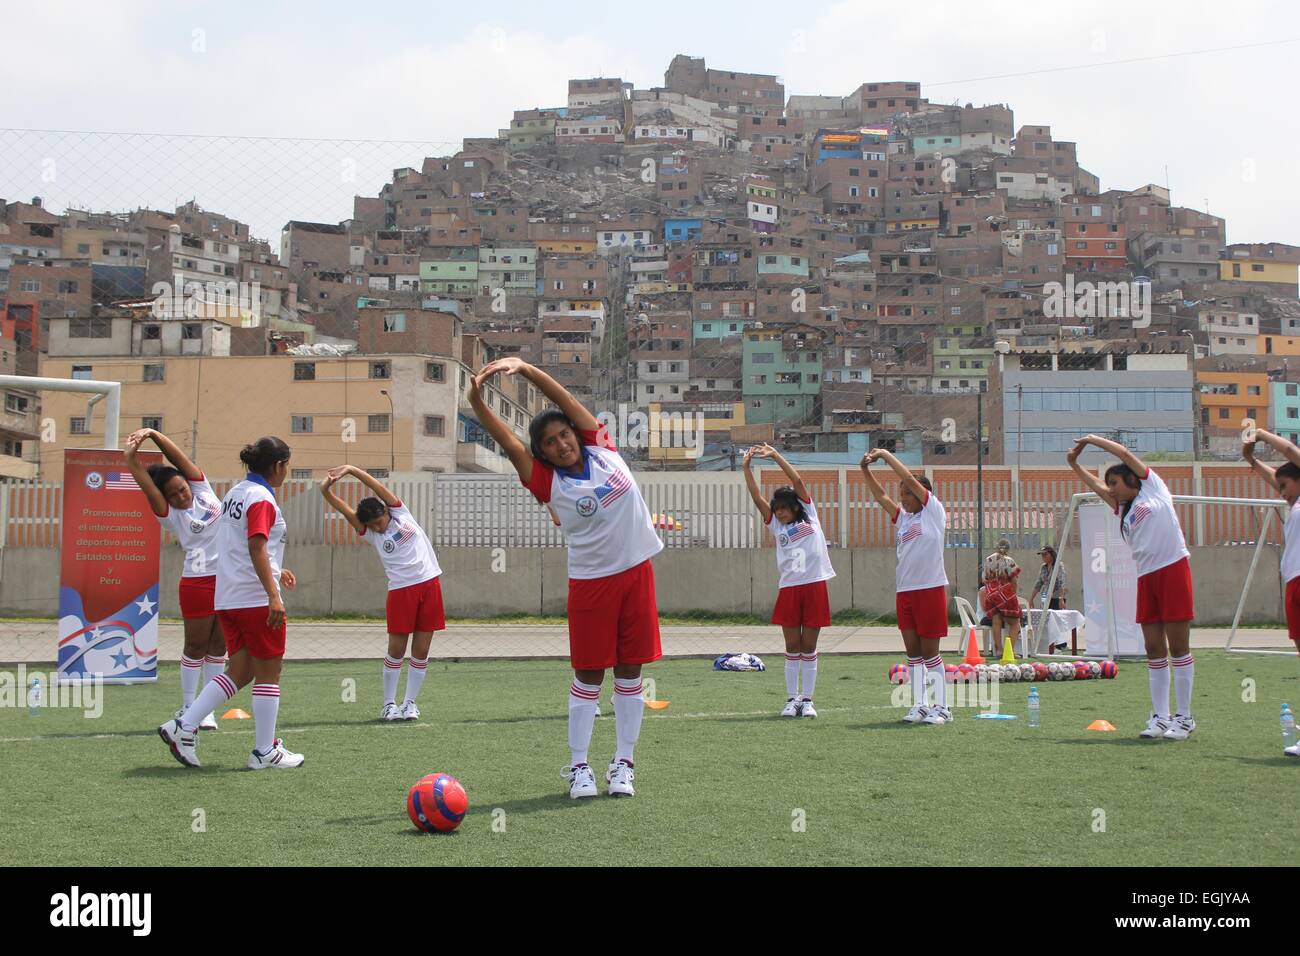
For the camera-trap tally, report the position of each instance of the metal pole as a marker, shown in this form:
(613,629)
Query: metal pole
(1250,574)
(979,486)
(1020,417)
(392,428)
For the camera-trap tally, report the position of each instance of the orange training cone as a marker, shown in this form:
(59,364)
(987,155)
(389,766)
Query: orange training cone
(972,649)
(1101,725)
(656,704)
(236,714)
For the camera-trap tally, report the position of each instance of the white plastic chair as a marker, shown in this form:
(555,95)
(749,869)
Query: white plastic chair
(970,618)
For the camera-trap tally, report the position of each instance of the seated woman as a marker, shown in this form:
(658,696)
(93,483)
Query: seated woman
(998,596)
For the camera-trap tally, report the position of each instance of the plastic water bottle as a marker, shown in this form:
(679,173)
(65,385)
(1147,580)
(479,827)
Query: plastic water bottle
(1033,706)
(1288,726)
(35,698)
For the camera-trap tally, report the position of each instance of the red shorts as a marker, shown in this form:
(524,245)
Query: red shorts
(924,611)
(417,607)
(245,627)
(614,620)
(1166,595)
(803,605)
(1293,609)
(197,595)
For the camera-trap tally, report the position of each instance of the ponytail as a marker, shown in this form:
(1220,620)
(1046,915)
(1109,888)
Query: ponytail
(264,454)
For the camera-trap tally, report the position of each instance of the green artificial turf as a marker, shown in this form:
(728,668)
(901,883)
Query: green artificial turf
(721,779)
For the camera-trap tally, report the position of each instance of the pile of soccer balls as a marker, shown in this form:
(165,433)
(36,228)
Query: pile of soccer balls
(1056,670)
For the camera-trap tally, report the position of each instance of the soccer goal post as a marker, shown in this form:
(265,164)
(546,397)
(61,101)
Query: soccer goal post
(1268,509)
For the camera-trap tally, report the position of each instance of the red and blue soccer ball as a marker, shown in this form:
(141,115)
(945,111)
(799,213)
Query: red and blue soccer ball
(898,674)
(1109,669)
(437,803)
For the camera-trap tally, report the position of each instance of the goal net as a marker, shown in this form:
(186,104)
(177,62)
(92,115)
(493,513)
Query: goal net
(1239,526)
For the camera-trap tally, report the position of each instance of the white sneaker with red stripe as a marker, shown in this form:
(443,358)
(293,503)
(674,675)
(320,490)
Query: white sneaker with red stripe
(184,745)
(619,776)
(277,757)
(582,782)
(409,711)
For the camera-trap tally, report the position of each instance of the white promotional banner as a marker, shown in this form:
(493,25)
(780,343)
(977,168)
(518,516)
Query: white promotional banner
(1109,583)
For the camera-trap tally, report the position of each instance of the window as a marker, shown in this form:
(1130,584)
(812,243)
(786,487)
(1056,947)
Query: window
(377,423)
(151,333)
(435,426)
(1292,390)
(69,286)
(151,421)
(300,474)
(394,322)
(90,329)
(29,285)
(763,358)
(300,424)
(377,472)
(760,379)
(191,331)
(1293,412)
(16,404)
(79,427)
(380,370)
(81,372)
(304,371)
(1223,413)
(153,373)
(435,372)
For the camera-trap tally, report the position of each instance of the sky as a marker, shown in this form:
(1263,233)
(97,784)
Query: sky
(269,111)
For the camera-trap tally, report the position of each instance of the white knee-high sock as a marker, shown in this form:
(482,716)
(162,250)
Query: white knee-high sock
(1184,672)
(415,671)
(1158,678)
(629,708)
(582,716)
(212,666)
(191,671)
(936,677)
(392,671)
(792,674)
(219,690)
(916,668)
(266,707)
(809,671)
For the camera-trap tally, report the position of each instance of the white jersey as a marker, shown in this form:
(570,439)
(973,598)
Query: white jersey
(248,509)
(1291,544)
(801,555)
(604,518)
(405,550)
(195,529)
(1151,527)
(919,542)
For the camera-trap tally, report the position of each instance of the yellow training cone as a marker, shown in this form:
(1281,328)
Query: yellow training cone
(236,714)
(656,704)
(1101,725)
(1008,651)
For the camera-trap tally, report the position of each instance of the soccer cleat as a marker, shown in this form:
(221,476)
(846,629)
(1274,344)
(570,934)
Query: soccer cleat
(410,711)
(184,744)
(277,757)
(806,708)
(791,708)
(1157,726)
(619,776)
(582,782)
(1180,727)
(1292,751)
(390,712)
(916,714)
(938,716)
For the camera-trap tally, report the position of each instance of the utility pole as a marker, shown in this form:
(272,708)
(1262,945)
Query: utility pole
(1020,417)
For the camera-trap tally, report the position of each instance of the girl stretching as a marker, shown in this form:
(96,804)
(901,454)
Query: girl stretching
(1165,608)
(803,605)
(185,503)
(414,607)
(250,573)
(921,582)
(573,466)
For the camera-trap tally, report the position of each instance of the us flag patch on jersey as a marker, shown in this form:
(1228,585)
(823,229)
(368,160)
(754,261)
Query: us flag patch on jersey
(613,489)
(801,530)
(910,534)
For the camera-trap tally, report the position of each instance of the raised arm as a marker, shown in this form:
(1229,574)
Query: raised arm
(1119,451)
(874,486)
(1267,472)
(171,451)
(1288,451)
(904,473)
(791,472)
(519,456)
(578,413)
(754,492)
(157,503)
(337,503)
(1095,484)
(371,482)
